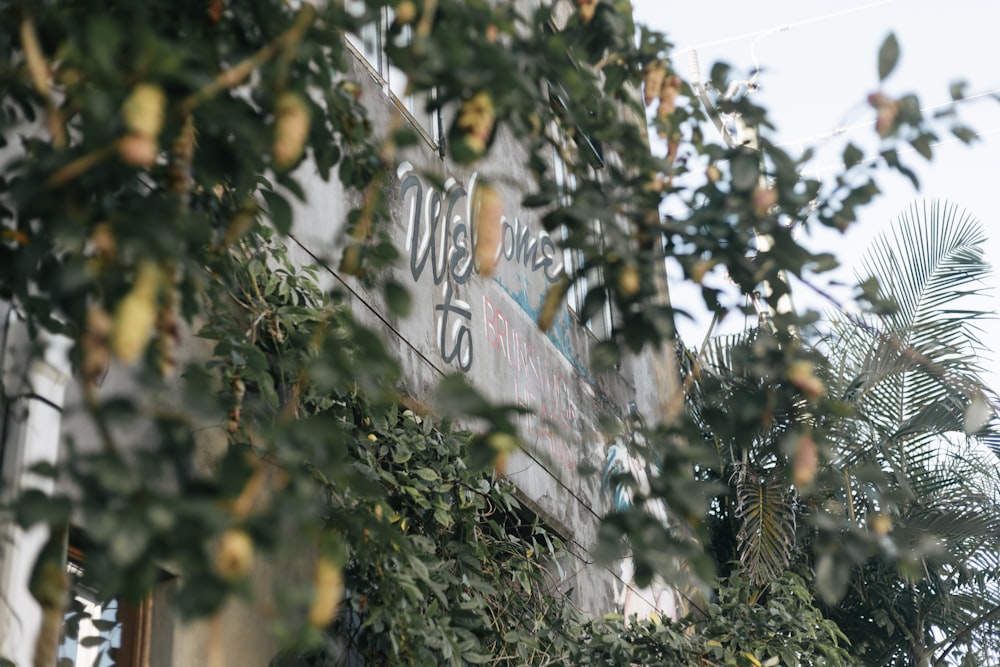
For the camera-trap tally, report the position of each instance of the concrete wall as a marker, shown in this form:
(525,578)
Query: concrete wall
(485,328)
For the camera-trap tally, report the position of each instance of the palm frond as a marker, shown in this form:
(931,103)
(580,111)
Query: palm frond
(766,518)
(928,260)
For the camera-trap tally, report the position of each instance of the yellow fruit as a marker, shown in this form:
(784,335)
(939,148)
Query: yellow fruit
(656,183)
(502,442)
(475,121)
(351,88)
(148,278)
(500,462)
(763,200)
(553,299)
(886,110)
(406,12)
(135,315)
(488,207)
(144,110)
(629,281)
(329,591)
(669,90)
(168,334)
(805,463)
(94,343)
(880,524)
(291,129)
(138,150)
(103,240)
(587,9)
(475,145)
(652,79)
(240,223)
(235,556)
(239,389)
(135,318)
(802,376)
(99,323)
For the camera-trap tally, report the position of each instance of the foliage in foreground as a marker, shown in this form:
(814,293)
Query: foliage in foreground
(146,137)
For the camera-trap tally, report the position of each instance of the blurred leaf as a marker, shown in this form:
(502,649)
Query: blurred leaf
(888,56)
(397,297)
(279,211)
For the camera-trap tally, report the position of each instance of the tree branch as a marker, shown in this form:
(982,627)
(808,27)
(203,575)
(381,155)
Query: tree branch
(38,69)
(237,74)
(964,632)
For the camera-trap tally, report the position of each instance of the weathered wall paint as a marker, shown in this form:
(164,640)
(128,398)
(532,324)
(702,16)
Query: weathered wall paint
(485,328)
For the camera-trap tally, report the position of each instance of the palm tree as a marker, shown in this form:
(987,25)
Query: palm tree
(915,381)
(920,500)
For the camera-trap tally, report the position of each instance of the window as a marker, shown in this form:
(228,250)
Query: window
(100,633)
(573,260)
(370,44)
(95,633)
(92,633)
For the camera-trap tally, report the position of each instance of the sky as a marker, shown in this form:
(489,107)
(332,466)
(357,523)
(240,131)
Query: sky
(818,63)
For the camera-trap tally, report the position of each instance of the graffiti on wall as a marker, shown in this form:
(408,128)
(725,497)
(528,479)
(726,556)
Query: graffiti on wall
(622,459)
(440,243)
(440,236)
(536,384)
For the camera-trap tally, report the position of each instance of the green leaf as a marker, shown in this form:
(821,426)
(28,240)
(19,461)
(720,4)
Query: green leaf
(964,134)
(35,506)
(279,211)
(426,474)
(766,524)
(93,640)
(402,454)
(397,297)
(606,355)
(746,170)
(852,156)
(922,144)
(888,56)
(957,90)
(537,200)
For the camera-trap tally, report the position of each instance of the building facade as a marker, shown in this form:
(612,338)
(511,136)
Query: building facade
(460,322)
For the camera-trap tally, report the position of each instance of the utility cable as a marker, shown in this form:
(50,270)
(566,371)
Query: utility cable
(784,27)
(845,129)
(904,151)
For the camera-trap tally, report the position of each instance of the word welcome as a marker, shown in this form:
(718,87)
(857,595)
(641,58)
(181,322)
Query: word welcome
(440,232)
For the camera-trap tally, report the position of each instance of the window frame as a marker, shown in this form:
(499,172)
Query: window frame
(573,259)
(133,624)
(376,61)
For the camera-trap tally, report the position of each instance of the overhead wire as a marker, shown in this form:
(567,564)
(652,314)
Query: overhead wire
(845,129)
(751,84)
(904,151)
(784,27)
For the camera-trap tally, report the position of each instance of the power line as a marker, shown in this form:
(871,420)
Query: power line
(904,151)
(846,129)
(785,27)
